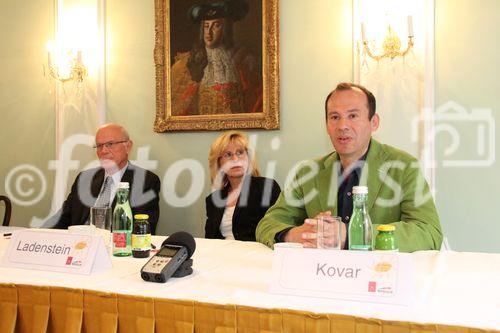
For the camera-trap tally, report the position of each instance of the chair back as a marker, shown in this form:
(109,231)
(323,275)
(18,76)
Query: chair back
(8,210)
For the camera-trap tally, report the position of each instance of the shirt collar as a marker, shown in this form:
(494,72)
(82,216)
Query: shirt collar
(117,176)
(358,165)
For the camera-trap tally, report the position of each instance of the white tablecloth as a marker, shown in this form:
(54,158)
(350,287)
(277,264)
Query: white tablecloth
(453,288)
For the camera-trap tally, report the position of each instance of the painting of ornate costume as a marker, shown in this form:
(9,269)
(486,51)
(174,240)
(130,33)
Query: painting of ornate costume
(216,65)
(216,77)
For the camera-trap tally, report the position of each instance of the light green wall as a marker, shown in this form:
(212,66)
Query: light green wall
(26,105)
(315,54)
(468,72)
(315,37)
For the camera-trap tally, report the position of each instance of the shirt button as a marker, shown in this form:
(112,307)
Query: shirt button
(348,194)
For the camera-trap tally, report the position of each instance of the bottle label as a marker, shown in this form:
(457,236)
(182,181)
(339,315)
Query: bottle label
(119,239)
(141,242)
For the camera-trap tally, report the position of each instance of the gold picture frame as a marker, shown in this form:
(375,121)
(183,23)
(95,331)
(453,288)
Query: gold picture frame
(259,112)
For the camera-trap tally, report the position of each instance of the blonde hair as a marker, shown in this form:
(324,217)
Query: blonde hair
(218,147)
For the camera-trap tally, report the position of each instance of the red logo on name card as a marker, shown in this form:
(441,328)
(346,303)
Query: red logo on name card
(69,260)
(372,286)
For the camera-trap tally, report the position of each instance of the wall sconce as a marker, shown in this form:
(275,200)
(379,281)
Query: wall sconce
(65,65)
(391,45)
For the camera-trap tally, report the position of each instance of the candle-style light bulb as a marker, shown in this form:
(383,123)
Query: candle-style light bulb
(410,26)
(363,32)
(49,47)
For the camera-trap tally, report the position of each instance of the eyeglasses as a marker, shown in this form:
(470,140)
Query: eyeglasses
(228,155)
(109,144)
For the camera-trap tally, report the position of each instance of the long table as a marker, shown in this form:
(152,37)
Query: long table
(228,292)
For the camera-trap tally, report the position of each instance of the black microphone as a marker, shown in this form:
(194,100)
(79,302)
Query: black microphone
(185,239)
(173,259)
(181,238)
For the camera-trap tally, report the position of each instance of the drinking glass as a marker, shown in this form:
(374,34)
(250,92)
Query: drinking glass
(329,232)
(100,217)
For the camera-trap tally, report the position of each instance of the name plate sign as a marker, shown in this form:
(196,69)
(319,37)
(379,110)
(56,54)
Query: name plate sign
(54,251)
(355,276)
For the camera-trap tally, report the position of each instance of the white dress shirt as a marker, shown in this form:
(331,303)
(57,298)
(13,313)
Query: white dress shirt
(116,177)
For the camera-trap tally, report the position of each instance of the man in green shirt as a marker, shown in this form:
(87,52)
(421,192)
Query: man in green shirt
(397,191)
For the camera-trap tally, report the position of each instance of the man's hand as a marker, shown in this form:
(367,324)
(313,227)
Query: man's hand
(306,233)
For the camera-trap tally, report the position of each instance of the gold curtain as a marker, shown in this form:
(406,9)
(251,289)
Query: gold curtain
(34,309)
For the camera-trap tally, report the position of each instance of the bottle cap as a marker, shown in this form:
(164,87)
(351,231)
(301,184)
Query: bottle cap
(360,190)
(141,216)
(386,227)
(123,185)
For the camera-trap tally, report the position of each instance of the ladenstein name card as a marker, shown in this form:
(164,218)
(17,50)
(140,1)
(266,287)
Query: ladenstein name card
(383,277)
(59,252)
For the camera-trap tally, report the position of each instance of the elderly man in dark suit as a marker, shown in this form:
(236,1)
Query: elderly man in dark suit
(97,187)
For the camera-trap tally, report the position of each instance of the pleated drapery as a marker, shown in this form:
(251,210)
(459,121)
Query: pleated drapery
(40,309)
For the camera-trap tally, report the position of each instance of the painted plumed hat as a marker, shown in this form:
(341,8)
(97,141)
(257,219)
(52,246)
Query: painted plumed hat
(234,9)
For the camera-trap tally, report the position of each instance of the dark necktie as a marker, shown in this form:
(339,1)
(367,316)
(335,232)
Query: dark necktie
(103,200)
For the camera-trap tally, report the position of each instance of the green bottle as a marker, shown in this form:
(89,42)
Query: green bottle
(122,223)
(360,227)
(386,240)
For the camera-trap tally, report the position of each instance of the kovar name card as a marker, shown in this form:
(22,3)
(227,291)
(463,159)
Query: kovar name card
(384,277)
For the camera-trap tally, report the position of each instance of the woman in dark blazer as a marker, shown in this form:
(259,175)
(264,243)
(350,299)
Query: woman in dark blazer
(241,197)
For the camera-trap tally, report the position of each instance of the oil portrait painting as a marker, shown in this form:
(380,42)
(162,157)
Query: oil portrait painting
(216,64)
